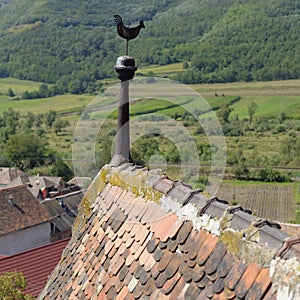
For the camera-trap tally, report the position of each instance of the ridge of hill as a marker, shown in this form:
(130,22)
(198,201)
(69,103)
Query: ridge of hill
(75,43)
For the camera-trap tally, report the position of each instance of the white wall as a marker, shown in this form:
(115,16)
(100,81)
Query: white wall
(25,239)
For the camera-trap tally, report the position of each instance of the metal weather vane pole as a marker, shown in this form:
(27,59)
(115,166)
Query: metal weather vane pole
(125,68)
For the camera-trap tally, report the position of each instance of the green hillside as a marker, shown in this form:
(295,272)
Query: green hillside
(75,44)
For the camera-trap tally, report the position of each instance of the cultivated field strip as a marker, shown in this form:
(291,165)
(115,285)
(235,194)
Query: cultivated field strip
(269,201)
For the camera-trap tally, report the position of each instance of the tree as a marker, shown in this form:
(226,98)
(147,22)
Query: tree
(59,124)
(224,113)
(11,93)
(50,118)
(252,107)
(12,286)
(25,150)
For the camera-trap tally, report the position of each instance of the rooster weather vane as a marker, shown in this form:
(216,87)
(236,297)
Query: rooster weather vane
(126,32)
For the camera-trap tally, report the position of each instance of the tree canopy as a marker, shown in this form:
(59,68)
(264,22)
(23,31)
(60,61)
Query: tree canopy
(12,286)
(75,44)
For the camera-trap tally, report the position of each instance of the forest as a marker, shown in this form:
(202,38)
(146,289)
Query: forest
(74,44)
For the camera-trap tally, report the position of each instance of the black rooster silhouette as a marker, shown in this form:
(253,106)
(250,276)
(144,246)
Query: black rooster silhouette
(126,32)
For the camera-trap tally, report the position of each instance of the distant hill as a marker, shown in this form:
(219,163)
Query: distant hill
(75,43)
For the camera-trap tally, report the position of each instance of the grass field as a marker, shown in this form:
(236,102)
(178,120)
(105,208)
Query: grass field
(161,70)
(17,85)
(272,98)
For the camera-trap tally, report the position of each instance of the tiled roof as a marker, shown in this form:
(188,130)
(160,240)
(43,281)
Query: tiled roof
(36,264)
(19,210)
(142,236)
(9,174)
(80,181)
(63,209)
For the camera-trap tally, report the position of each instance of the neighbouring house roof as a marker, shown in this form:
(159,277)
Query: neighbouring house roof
(7,175)
(36,264)
(63,209)
(80,181)
(58,181)
(19,210)
(36,184)
(140,235)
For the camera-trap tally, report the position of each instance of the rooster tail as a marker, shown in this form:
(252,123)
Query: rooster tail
(118,19)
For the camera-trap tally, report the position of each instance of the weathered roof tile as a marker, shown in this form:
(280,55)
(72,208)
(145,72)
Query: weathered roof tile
(170,284)
(260,286)
(247,280)
(235,274)
(192,292)
(215,258)
(207,244)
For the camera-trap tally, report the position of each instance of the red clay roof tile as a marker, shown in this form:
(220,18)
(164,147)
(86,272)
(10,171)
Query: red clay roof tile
(123,293)
(235,274)
(149,263)
(170,284)
(173,265)
(209,290)
(203,282)
(172,244)
(229,294)
(184,232)
(165,259)
(260,286)
(247,280)
(186,272)
(149,287)
(138,291)
(218,285)
(164,227)
(164,185)
(207,244)
(192,292)
(215,258)
(177,289)
(161,280)
(199,272)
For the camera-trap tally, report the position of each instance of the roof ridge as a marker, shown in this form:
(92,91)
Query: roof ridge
(212,214)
